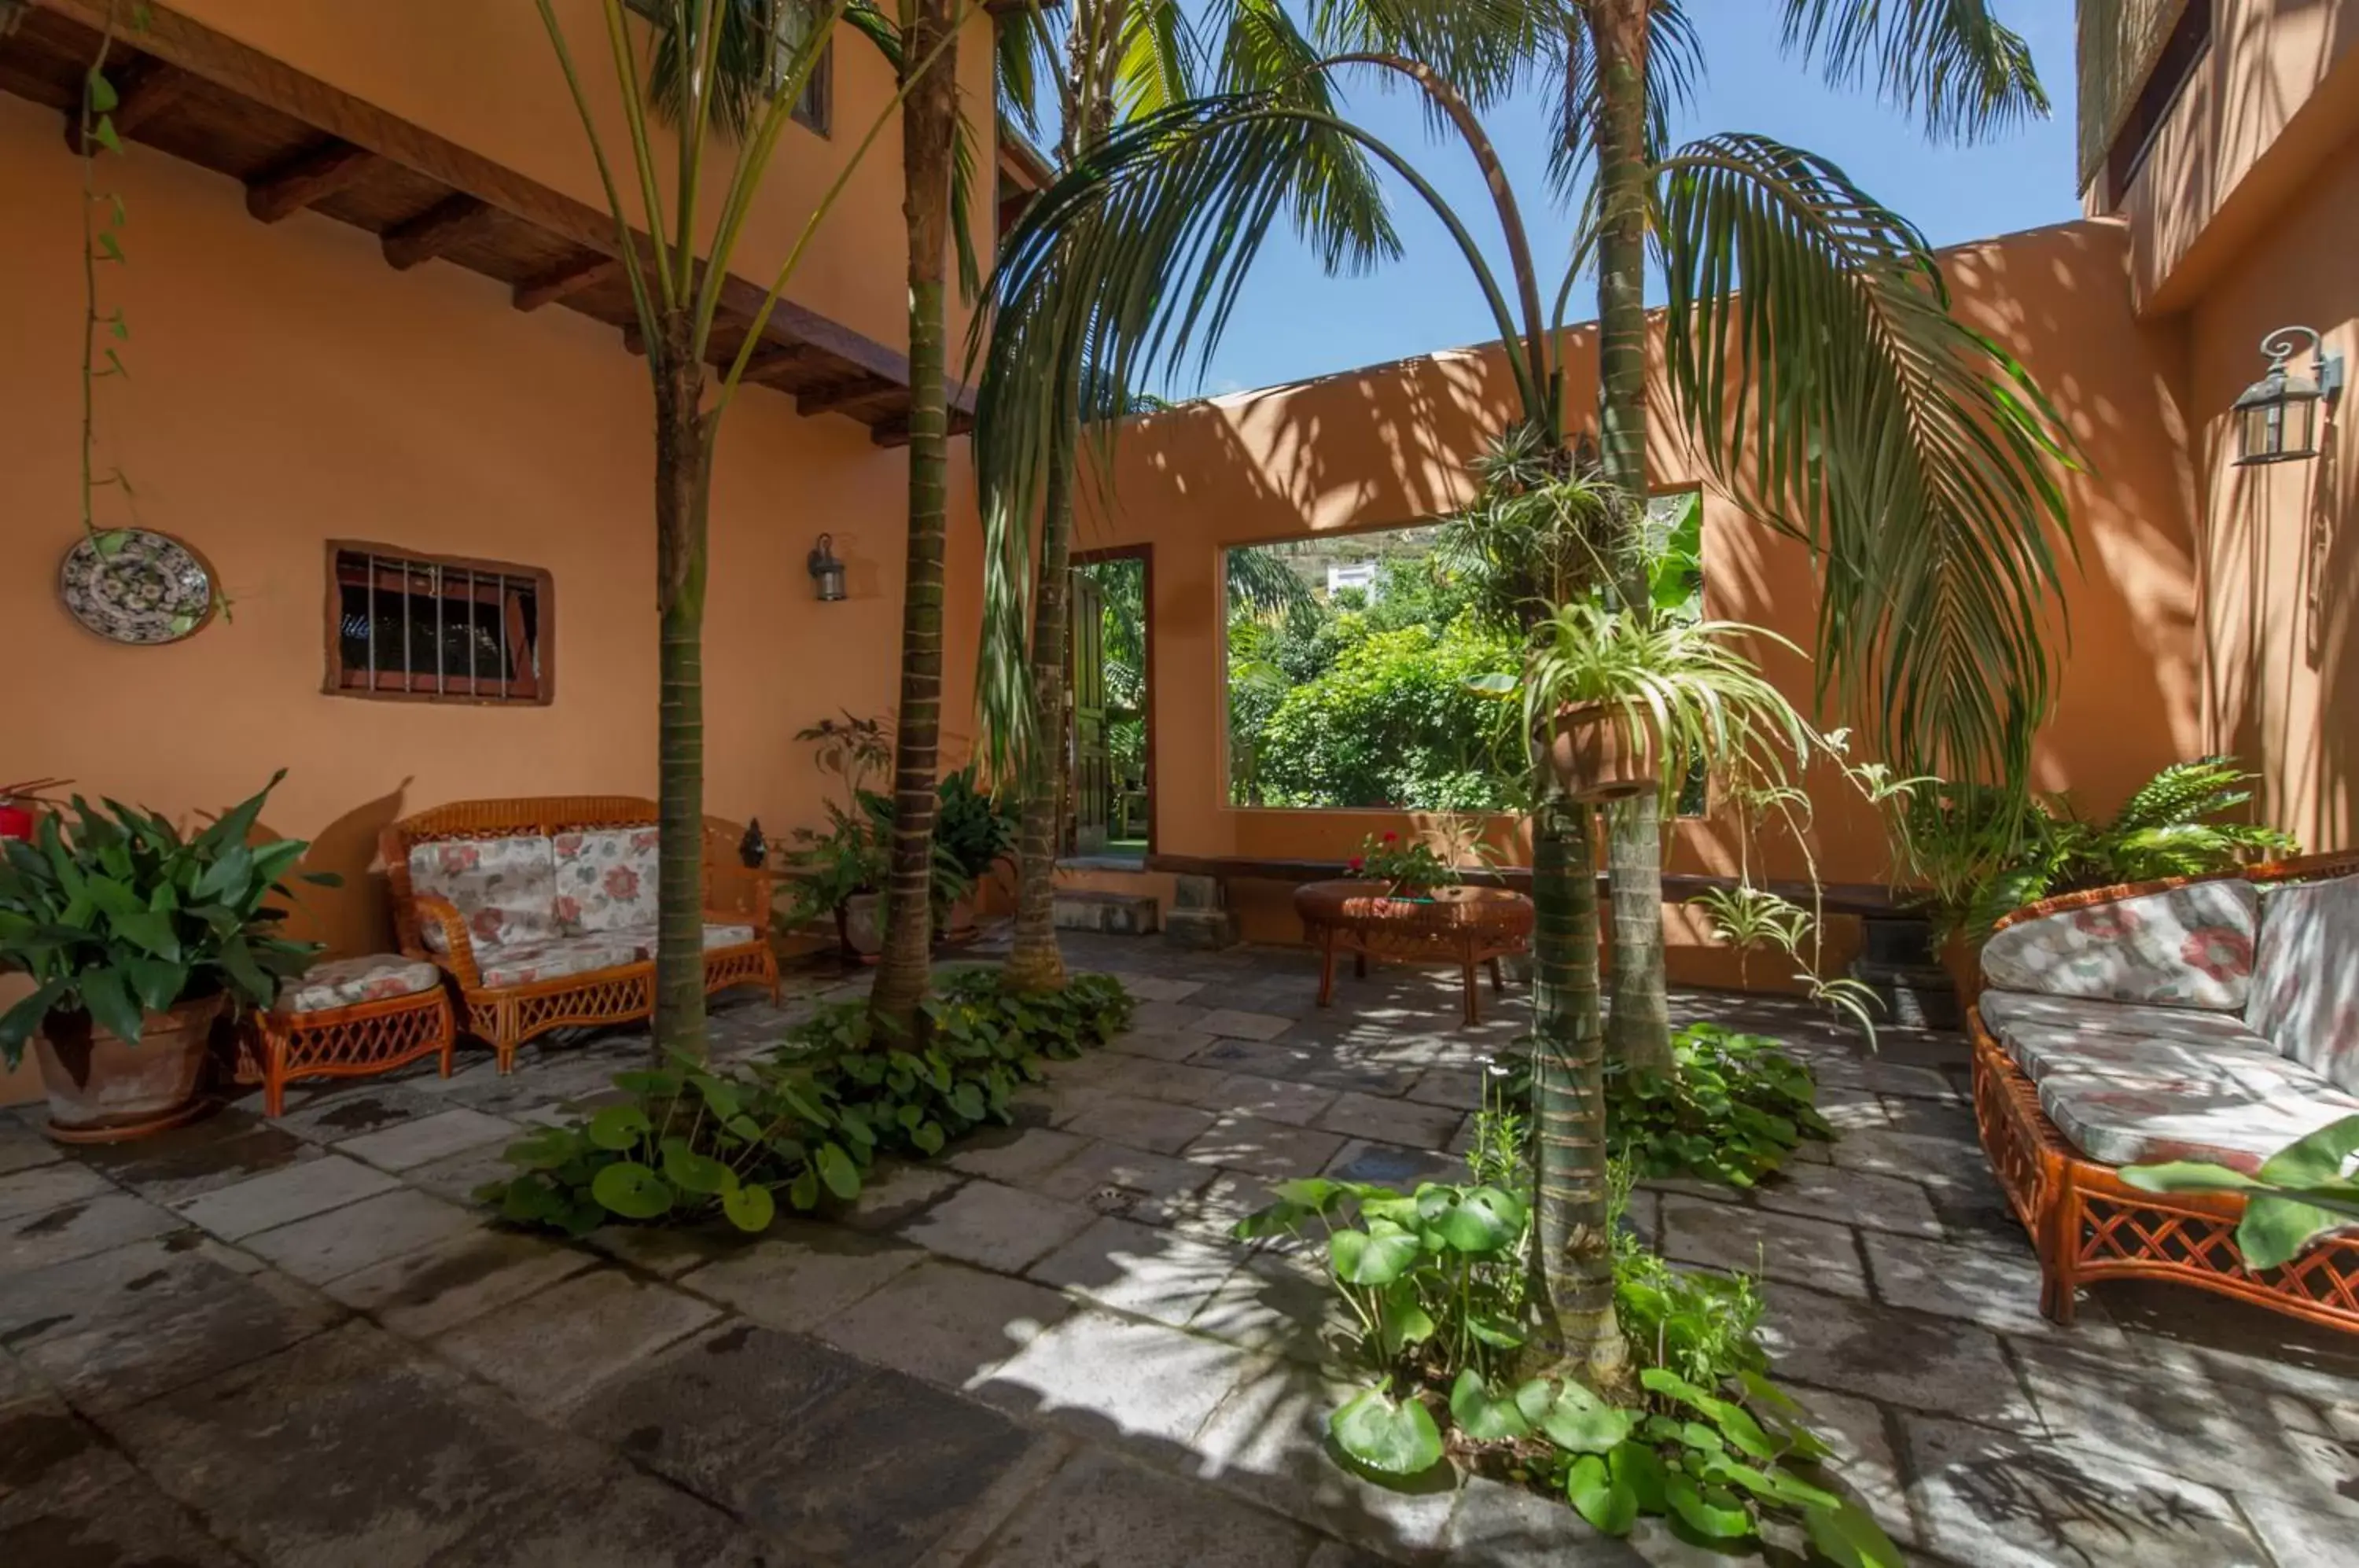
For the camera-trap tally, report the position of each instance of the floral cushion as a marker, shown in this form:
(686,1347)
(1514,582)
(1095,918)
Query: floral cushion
(643,937)
(2207,1118)
(2010,1014)
(2184,947)
(2306,976)
(606,880)
(505,888)
(553,958)
(348,982)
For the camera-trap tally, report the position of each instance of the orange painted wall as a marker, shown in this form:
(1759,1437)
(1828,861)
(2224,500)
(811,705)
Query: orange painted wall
(1390,446)
(289,388)
(2243,220)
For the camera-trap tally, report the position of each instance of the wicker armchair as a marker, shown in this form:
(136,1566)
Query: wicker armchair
(2066,1072)
(598,971)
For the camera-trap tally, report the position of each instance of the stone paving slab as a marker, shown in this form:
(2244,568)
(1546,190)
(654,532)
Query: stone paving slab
(550,1349)
(1142,1123)
(281,1197)
(944,1321)
(34,1191)
(32,1242)
(21,1148)
(1099,1374)
(373,1230)
(1928,1364)
(421,1294)
(1767,1245)
(428,1139)
(1274,1150)
(1391,1121)
(1113,1178)
(1101,1510)
(1141,1272)
(998,1227)
(186,1162)
(68,1497)
(800,1275)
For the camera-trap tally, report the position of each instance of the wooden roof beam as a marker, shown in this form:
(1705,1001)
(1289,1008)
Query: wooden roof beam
(143,88)
(841,394)
(452,221)
(317,172)
(562,282)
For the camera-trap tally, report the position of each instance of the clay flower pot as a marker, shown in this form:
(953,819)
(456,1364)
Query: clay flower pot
(1596,755)
(861,923)
(105,1090)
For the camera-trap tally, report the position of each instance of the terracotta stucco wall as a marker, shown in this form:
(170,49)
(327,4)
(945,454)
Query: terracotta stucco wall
(2282,541)
(1390,445)
(289,389)
(484,76)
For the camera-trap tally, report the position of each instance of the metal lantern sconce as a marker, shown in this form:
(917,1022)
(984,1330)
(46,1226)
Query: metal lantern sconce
(2277,418)
(826,571)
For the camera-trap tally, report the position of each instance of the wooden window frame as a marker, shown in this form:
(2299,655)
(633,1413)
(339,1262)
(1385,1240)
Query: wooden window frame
(2182,55)
(537,691)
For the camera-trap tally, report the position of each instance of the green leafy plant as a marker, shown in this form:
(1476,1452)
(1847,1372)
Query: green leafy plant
(1393,721)
(2298,1195)
(1733,1108)
(1412,866)
(684,1143)
(1748,917)
(971,826)
(118,915)
(835,867)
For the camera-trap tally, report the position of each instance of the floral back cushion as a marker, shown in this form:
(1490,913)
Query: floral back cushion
(505,887)
(606,880)
(2183,947)
(2306,976)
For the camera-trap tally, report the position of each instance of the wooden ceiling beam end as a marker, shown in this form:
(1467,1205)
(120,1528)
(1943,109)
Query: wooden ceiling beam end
(317,172)
(452,221)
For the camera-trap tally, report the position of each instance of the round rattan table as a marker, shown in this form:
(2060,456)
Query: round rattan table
(1469,927)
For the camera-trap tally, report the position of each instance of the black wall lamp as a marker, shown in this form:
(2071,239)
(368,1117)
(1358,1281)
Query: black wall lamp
(2277,418)
(826,571)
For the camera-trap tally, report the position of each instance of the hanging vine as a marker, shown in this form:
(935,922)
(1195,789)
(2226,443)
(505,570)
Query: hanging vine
(102,244)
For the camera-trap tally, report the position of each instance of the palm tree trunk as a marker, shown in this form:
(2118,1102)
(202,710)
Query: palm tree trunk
(1577,1334)
(683,487)
(929,124)
(1035,961)
(1638,1028)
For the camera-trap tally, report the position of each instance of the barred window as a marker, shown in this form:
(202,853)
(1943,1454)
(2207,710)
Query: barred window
(434,629)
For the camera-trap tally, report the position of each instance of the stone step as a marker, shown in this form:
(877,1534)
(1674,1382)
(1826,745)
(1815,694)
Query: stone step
(1114,914)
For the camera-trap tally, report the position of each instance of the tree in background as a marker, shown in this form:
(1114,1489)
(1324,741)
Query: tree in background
(675,291)
(1115,61)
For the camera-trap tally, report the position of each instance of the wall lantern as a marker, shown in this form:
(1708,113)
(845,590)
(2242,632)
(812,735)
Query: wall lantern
(827,572)
(2277,418)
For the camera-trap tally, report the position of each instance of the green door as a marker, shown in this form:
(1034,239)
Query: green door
(1093,779)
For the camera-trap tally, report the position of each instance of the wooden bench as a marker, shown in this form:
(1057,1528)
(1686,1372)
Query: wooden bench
(1866,900)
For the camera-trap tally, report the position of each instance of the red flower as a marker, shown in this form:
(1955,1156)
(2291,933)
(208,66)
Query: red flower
(1392,838)
(567,844)
(622,882)
(1358,863)
(2106,922)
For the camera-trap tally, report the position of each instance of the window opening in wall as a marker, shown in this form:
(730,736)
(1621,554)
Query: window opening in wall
(778,27)
(435,629)
(2188,44)
(1110,811)
(1349,659)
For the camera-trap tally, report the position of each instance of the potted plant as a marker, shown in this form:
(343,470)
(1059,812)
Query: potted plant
(840,874)
(973,833)
(1408,870)
(137,939)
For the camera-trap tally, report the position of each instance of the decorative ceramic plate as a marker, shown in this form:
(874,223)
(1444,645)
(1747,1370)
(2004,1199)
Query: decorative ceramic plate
(137,586)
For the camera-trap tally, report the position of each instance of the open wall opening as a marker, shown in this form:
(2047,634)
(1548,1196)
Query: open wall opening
(1111,812)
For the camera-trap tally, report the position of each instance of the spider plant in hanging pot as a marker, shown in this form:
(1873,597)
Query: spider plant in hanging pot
(137,941)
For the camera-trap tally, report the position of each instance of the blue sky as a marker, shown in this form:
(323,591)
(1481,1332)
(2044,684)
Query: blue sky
(1294,321)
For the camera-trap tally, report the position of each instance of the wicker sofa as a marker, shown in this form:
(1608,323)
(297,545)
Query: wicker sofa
(2215,1019)
(543,911)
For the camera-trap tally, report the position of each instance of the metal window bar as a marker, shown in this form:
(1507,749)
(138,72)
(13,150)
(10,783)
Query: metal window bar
(372,621)
(441,635)
(475,685)
(408,613)
(500,610)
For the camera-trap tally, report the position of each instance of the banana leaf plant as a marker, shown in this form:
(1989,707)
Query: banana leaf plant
(2300,1193)
(118,915)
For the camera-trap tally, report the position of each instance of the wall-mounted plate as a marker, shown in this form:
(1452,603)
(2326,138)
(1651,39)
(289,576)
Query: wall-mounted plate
(137,586)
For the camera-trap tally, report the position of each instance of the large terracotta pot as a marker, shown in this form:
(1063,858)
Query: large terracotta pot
(103,1090)
(1598,756)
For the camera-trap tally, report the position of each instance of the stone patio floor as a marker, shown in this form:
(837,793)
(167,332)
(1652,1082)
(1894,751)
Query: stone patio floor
(294,1342)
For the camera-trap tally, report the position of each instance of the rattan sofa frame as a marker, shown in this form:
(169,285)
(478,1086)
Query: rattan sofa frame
(2087,1224)
(507,1017)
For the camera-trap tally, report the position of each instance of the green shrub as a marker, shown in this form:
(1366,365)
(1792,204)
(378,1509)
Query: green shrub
(1392,723)
(1734,1108)
(806,1120)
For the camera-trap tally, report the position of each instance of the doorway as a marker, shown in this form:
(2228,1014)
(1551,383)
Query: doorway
(1110,811)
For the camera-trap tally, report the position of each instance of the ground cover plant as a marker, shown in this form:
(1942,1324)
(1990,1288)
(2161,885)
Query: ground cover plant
(1436,1286)
(1732,1109)
(805,1121)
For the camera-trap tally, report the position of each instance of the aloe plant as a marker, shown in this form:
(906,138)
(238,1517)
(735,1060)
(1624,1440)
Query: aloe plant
(118,915)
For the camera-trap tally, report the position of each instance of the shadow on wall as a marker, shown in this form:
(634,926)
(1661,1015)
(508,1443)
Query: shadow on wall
(2330,640)
(358,916)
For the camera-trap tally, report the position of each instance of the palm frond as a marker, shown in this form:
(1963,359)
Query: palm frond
(1486,48)
(1262,586)
(1813,352)
(1950,63)
(1339,204)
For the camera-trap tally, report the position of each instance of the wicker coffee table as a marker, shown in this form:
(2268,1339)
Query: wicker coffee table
(1465,926)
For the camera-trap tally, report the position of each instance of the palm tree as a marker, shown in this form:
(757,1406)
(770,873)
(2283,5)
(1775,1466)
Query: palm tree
(1116,60)
(1625,63)
(927,65)
(1912,453)
(675,289)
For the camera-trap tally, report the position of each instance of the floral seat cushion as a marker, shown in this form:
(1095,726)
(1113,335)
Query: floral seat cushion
(2208,1117)
(2012,1013)
(553,958)
(2305,994)
(642,939)
(605,879)
(348,982)
(2190,946)
(505,888)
